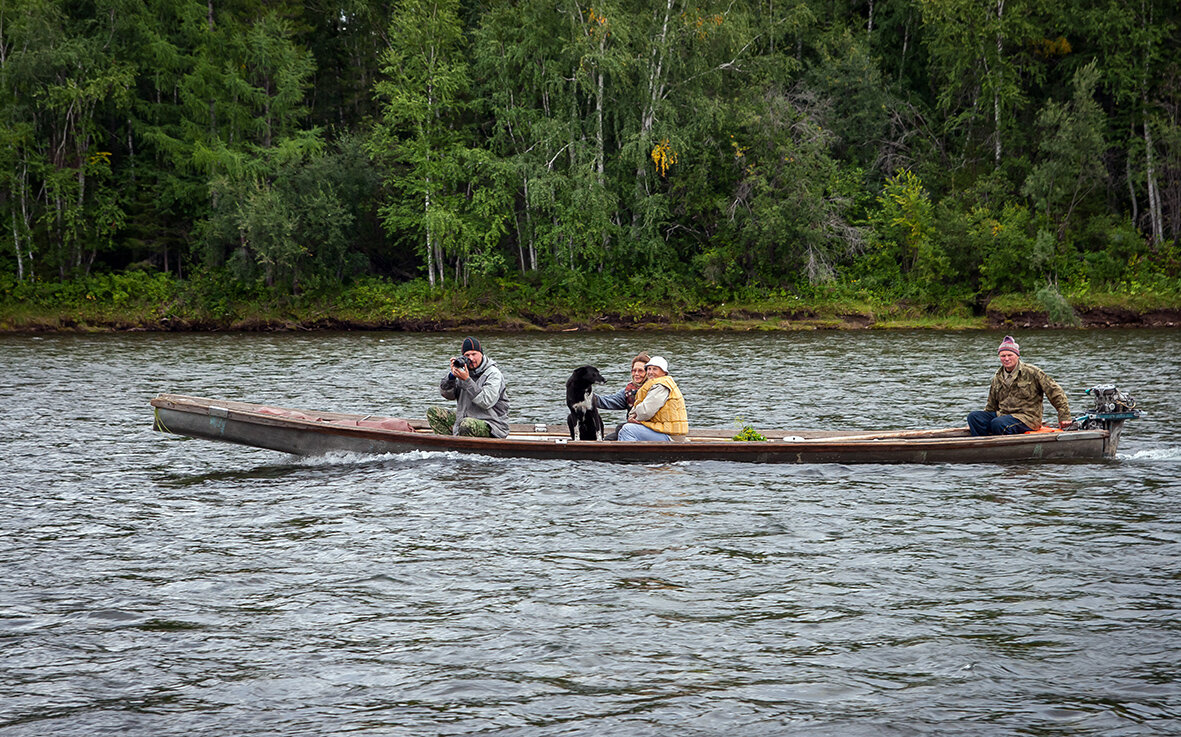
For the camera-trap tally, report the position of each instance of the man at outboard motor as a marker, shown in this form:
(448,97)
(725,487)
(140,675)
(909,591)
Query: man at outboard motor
(1015,397)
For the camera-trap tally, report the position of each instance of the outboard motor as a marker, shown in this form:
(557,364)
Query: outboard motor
(1112,408)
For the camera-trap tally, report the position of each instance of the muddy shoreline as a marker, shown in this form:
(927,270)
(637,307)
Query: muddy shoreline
(1099,317)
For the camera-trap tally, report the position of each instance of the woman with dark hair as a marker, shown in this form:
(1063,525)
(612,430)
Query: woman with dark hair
(625,397)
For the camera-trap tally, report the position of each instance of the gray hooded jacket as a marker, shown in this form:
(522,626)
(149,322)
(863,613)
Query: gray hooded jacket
(483,397)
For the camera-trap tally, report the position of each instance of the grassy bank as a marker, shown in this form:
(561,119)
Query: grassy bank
(156,302)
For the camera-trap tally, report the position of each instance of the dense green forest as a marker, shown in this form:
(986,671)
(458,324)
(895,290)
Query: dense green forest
(938,152)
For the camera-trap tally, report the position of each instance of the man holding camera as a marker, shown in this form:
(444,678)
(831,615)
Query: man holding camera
(480,394)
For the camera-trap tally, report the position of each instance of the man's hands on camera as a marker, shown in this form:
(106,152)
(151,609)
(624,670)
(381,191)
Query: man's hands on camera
(459,370)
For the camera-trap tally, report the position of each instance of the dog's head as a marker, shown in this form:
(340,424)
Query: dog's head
(585,376)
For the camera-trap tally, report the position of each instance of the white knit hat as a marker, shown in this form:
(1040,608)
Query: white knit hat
(658,362)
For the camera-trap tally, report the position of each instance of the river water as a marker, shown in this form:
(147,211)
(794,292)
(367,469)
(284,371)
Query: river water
(152,585)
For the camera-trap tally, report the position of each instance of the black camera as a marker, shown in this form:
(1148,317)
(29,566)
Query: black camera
(462,362)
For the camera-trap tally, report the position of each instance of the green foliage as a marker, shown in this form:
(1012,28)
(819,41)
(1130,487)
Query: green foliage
(420,135)
(370,296)
(1113,252)
(1013,249)
(1057,307)
(905,243)
(296,226)
(847,75)
(749,434)
(786,212)
(135,288)
(603,157)
(1070,164)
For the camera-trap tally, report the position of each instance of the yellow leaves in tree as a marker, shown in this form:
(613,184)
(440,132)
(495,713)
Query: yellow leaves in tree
(594,19)
(663,156)
(739,151)
(740,156)
(701,23)
(1051,47)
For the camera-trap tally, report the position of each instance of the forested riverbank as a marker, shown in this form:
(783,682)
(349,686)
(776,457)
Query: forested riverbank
(433,164)
(157,302)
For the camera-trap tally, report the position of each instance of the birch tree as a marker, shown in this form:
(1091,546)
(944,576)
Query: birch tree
(1070,162)
(979,49)
(421,97)
(1132,43)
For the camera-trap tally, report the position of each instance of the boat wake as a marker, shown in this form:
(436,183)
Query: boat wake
(414,456)
(1153,454)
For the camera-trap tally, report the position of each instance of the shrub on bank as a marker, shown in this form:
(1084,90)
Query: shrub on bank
(157,300)
(134,287)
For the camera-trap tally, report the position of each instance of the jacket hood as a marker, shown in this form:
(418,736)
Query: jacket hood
(484,365)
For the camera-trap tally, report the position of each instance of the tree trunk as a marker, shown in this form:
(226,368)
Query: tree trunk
(996,94)
(905,45)
(26,226)
(78,263)
(656,87)
(529,264)
(1154,205)
(16,242)
(1132,184)
(430,246)
(600,156)
(61,246)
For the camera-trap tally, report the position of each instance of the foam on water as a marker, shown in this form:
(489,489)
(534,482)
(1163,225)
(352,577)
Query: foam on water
(344,458)
(1153,454)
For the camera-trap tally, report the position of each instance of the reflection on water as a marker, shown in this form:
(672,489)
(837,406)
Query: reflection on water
(158,586)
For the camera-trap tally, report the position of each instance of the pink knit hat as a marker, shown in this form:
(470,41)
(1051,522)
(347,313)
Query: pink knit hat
(1008,344)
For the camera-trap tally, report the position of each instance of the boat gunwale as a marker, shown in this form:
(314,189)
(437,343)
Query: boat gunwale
(329,423)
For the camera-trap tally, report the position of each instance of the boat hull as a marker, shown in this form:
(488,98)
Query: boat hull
(302,433)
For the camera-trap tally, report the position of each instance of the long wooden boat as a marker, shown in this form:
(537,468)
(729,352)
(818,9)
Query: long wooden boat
(303,432)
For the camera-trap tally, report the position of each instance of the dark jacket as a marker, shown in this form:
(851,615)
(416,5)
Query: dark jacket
(622,399)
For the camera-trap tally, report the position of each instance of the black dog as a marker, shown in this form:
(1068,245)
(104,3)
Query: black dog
(580,398)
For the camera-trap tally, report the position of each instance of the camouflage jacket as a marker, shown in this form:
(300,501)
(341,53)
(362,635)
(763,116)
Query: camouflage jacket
(1022,396)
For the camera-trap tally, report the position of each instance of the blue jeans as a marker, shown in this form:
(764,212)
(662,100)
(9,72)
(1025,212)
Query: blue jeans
(633,432)
(990,423)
